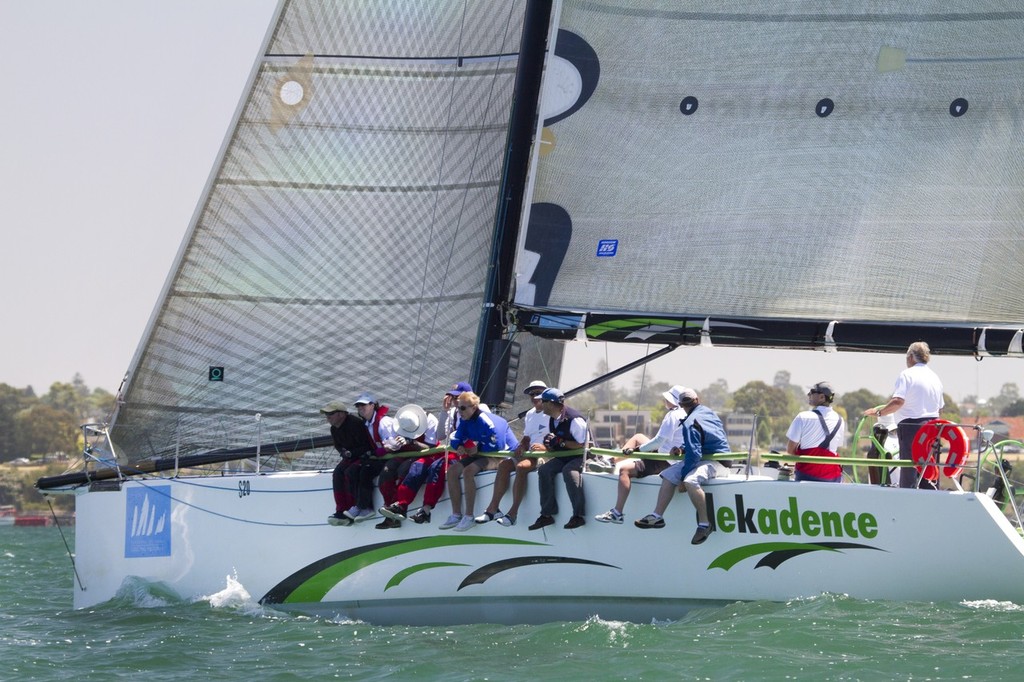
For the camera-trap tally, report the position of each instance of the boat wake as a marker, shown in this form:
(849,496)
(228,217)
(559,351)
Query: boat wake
(234,597)
(992,605)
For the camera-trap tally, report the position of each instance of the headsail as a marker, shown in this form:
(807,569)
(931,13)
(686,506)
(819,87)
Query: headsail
(343,241)
(781,174)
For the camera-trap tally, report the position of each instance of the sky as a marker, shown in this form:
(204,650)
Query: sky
(114,112)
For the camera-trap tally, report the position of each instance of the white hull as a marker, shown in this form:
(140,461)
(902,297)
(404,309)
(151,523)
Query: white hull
(270,533)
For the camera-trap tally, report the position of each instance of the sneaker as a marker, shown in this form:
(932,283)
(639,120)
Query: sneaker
(507,521)
(701,535)
(600,464)
(388,523)
(395,512)
(650,521)
(466,523)
(352,512)
(363,515)
(339,520)
(541,522)
(452,521)
(488,516)
(422,516)
(610,516)
(575,522)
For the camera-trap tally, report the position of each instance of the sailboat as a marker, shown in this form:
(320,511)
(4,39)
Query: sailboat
(413,194)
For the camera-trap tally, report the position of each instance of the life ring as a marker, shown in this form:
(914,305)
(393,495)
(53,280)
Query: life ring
(924,441)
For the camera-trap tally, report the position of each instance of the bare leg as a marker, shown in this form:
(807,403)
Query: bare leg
(469,483)
(696,494)
(455,486)
(627,472)
(665,494)
(501,481)
(635,441)
(519,485)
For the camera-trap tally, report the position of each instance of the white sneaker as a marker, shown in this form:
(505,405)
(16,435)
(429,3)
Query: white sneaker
(365,515)
(352,512)
(507,521)
(487,517)
(452,521)
(610,516)
(466,523)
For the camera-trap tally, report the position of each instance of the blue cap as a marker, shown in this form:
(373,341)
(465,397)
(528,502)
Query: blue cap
(553,395)
(460,388)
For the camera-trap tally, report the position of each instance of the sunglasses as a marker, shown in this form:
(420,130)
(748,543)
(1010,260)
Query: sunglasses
(465,407)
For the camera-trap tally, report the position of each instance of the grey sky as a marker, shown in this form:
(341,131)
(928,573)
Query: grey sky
(114,111)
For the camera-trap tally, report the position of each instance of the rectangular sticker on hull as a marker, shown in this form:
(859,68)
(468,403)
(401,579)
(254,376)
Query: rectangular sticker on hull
(147,527)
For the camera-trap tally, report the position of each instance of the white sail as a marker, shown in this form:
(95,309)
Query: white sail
(344,241)
(792,161)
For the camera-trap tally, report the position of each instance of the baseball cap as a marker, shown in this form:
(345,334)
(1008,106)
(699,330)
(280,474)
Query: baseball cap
(460,388)
(365,398)
(687,395)
(334,406)
(552,395)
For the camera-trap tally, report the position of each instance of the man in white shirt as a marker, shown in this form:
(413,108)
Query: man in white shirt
(817,432)
(535,428)
(916,399)
(668,440)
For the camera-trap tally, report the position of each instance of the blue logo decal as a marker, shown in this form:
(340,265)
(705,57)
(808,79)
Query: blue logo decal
(147,523)
(606,248)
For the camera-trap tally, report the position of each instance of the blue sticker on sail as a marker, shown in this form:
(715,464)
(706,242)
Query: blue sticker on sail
(607,248)
(147,525)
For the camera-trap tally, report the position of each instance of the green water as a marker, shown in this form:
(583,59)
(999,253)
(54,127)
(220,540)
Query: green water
(145,633)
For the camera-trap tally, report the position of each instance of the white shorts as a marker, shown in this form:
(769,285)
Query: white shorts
(699,475)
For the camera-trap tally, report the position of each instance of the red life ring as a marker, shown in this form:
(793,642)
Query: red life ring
(921,451)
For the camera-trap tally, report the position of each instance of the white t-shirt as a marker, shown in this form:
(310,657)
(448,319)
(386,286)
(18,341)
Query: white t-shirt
(806,429)
(670,433)
(921,391)
(535,426)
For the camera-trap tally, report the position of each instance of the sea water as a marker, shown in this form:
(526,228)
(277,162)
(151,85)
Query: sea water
(146,633)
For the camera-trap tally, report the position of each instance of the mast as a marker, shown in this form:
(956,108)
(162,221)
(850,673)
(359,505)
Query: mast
(492,349)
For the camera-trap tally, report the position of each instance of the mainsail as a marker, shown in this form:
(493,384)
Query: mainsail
(344,239)
(796,174)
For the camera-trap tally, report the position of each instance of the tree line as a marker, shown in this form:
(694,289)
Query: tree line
(32,425)
(778,403)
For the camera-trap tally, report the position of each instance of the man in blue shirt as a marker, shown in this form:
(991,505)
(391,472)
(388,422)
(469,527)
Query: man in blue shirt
(477,432)
(703,433)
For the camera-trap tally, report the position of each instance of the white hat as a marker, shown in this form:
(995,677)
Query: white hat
(412,421)
(672,395)
(535,388)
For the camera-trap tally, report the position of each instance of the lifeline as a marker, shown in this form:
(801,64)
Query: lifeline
(790,521)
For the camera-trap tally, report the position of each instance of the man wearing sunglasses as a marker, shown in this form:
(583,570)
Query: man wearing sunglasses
(522,461)
(817,432)
(478,432)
